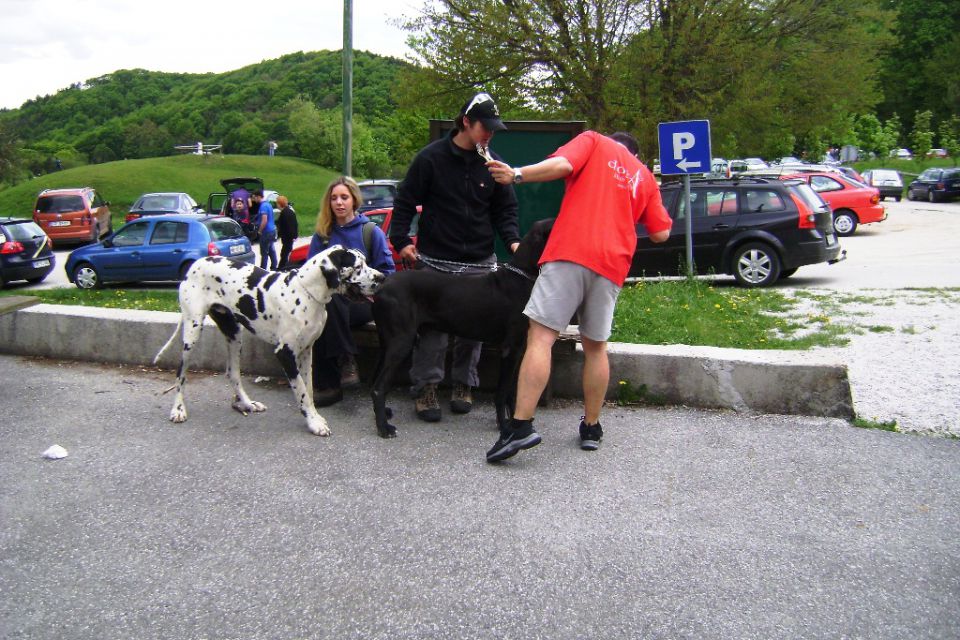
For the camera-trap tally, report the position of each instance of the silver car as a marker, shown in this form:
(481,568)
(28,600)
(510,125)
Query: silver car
(153,204)
(887,181)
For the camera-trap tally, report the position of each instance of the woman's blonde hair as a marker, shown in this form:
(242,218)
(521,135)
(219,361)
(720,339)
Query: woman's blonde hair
(325,217)
(282,201)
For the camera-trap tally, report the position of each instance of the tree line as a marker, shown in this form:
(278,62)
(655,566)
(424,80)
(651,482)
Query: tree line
(774,77)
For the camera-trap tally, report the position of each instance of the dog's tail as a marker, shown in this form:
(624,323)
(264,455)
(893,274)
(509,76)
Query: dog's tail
(176,332)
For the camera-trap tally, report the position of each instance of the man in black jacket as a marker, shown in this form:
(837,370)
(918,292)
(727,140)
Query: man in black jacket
(462,208)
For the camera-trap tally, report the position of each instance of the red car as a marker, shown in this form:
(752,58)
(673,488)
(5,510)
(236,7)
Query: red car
(382,219)
(852,203)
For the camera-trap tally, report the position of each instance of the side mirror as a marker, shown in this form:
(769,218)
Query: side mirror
(107,242)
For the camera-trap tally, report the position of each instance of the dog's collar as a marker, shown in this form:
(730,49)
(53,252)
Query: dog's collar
(510,267)
(306,289)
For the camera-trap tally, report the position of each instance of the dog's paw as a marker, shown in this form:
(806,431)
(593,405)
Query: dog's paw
(178,414)
(319,428)
(388,431)
(249,407)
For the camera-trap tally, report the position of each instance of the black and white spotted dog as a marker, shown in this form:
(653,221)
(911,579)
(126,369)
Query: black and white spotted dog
(285,309)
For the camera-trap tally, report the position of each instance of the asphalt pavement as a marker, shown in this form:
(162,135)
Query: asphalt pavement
(686,524)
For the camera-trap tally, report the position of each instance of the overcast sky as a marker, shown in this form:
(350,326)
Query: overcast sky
(47,45)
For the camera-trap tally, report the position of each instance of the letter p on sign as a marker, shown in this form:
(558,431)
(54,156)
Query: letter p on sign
(682,140)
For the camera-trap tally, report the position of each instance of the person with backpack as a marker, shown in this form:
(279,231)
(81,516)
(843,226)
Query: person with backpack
(334,352)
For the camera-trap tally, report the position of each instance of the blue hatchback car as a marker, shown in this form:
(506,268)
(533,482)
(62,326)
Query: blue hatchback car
(157,248)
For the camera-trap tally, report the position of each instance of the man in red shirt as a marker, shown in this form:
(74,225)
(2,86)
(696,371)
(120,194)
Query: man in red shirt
(586,260)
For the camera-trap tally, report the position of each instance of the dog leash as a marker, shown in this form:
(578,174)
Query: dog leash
(434,263)
(510,267)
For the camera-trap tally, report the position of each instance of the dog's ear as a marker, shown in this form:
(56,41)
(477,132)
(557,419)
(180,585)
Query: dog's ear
(343,258)
(331,273)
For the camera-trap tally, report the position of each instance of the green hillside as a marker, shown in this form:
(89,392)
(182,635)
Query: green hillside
(123,181)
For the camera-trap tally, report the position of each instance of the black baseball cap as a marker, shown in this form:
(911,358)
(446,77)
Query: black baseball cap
(482,107)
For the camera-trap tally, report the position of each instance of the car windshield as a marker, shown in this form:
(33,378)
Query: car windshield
(24,231)
(810,197)
(884,174)
(157,203)
(60,204)
(376,192)
(223,229)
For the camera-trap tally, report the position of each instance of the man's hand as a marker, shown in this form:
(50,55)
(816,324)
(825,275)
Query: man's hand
(513,247)
(409,255)
(501,171)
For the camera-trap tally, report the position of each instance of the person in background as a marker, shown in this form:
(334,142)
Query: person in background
(334,352)
(463,207)
(267,228)
(586,260)
(287,229)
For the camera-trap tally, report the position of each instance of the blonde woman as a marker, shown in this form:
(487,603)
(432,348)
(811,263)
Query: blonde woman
(334,361)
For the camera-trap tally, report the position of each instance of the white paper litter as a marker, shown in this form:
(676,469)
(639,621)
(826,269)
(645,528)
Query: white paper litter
(55,453)
(260,379)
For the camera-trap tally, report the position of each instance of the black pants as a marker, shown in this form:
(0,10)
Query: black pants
(286,246)
(337,339)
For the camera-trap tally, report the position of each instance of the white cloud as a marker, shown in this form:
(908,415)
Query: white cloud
(50,44)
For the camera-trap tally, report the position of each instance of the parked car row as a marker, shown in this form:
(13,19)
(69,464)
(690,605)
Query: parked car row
(760,230)
(760,226)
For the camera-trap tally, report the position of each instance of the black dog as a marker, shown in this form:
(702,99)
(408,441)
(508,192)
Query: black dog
(486,307)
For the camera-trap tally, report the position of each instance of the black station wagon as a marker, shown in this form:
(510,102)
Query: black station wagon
(758,230)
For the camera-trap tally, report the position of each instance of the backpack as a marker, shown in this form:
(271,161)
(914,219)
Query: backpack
(367,233)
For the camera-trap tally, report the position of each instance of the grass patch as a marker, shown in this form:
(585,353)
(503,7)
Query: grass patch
(880,328)
(863,423)
(628,395)
(110,298)
(693,312)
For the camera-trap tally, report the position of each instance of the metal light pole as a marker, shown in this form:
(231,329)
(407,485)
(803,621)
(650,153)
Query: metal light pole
(347,87)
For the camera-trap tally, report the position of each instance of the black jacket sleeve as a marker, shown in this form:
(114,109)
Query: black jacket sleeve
(410,193)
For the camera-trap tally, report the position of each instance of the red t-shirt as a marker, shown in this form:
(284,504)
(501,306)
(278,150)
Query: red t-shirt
(608,193)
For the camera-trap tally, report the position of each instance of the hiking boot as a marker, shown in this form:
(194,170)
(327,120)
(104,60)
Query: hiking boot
(327,397)
(590,436)
(462,400)
(518,436)
(349,373)
(427,406)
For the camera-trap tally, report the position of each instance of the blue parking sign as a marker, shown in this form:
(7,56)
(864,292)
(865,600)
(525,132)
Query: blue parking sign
(684,147)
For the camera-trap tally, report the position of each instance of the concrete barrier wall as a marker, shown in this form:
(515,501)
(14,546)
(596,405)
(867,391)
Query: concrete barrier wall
(804,383)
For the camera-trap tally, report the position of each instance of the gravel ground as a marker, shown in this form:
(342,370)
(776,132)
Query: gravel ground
(903,356)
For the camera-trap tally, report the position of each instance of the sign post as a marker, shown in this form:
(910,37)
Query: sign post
(685,149)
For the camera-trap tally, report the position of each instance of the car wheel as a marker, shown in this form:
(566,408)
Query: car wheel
(897,198)
(844,223)
(786,273)
(755,265)
(183,270)
(86,276)
(931,196)
(911,195)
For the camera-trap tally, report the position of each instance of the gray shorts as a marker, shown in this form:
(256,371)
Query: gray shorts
(564,288)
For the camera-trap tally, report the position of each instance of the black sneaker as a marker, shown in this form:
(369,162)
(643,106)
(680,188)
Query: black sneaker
(590,436)
(521,435)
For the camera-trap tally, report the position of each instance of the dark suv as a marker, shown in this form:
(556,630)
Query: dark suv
(759,230)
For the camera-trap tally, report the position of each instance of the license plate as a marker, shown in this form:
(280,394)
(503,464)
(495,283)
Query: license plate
(41,263)
(237,248)
(60,223)
(831,239)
